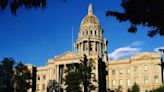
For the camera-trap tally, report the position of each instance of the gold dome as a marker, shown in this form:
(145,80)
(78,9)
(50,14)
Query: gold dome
(90,18)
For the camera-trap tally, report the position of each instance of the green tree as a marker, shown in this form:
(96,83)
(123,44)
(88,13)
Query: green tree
(160,89)
(142,12)
(14,77)
(16,4)
(53,86)
(72,78)
(135,88)
(80,74)
(119,89)
(87,76)
(6,74)
(21,78)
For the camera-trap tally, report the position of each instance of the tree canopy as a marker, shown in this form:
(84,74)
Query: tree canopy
(14,77)
(16,4)
(72,78)
(159,89)
(80,74)
(53,86)
(142,12)
(135,88)
(87,75)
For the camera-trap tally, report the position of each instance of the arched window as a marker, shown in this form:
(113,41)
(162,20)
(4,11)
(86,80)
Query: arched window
(95,33)
(91,32)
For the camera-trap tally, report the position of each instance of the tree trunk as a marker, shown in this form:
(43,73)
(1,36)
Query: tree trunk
(85,88)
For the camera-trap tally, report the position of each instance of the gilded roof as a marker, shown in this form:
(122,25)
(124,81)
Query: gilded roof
(90,18)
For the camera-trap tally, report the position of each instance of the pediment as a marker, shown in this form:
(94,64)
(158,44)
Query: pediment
(68,56)
(142,56)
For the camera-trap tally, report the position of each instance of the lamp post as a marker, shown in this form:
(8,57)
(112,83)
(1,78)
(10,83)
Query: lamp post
(162,63)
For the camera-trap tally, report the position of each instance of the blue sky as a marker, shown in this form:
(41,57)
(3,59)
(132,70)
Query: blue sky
(33,36)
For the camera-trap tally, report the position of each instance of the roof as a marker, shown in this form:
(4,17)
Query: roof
(90,18)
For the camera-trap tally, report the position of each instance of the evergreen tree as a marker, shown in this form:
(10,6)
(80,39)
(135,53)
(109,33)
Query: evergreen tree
(6,74)
(72,78)
(160,89)
(14,77)
(53,86)
(86,68)
(22,78)
(135,88)
(119,89)
(80,75)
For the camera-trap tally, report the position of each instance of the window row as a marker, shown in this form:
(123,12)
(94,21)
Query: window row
(91,32)
(136,80)
(120,71)
(43,77)
(135,69)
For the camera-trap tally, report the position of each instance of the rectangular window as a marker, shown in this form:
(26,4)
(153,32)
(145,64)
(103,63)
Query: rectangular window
(44,77)
(38,87)
(145,68)
(86,32)
(135,68)
(128,82)
(120,82)
(113,72)
(121,71)
(155,67)
(38,77)
(145,79)
(155,79)
(44,87)
(136,79)
(128,71)
(113,82)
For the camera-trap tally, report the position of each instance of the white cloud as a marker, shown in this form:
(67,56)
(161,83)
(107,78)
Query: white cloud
(157,49)
(123,52)
(137,43)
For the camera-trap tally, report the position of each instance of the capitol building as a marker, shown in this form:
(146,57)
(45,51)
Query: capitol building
(143,69)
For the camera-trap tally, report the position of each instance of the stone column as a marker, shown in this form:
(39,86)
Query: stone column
(57,73)
(77,48)
(88,47)
(64,68)
(105,46)
(83,46)
(100,47)
(94,46)
(80,47)
(97,46)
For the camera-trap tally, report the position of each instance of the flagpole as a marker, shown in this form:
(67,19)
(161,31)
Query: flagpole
(72,40)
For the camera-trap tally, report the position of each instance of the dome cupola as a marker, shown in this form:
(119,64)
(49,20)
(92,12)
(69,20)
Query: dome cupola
(90,18)
(90,38)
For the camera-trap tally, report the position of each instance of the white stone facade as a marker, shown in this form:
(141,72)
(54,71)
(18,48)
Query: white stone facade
(143,69)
